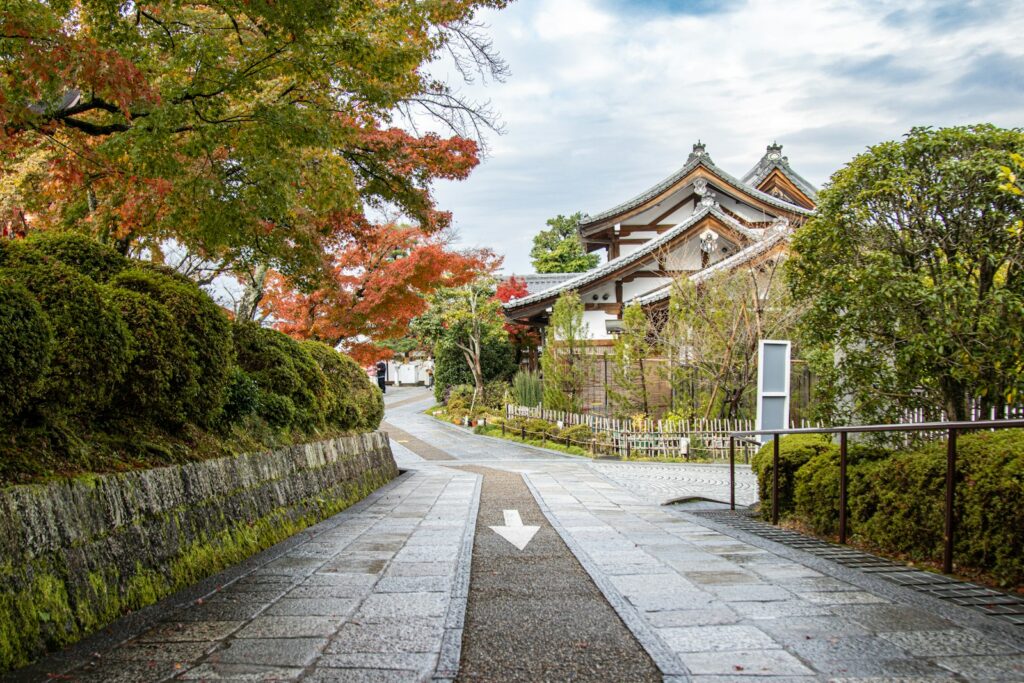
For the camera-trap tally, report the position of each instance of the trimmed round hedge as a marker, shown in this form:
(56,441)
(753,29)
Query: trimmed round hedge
(26,344)
(794,451)
(154,388)
(80,252)
(282,367)
(896,499)
(205,331)
(355,403)
(92,345)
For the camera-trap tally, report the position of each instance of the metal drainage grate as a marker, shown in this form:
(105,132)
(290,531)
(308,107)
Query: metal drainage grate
(997,604)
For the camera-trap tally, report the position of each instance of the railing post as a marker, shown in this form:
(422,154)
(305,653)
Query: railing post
(732,472)
(842,487)
(947,553)
(775,479)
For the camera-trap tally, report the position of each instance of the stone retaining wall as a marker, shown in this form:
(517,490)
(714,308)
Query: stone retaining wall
(77,554)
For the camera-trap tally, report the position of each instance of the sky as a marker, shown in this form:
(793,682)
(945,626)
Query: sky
(606,97)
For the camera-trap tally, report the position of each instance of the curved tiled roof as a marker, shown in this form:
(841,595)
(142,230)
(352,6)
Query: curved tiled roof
(583,279)
(754,176)
(693,163)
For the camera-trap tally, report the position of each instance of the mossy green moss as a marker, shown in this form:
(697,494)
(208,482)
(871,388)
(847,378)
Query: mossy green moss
(41,609)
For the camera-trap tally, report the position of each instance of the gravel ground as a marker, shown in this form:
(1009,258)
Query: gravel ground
(535,614)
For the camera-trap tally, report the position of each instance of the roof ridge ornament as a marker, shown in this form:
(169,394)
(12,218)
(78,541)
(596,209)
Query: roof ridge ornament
(708,198)
(700,186)
(700,151)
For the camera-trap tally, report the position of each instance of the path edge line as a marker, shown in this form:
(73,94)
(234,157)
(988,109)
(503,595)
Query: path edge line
(454,623)
(669,663)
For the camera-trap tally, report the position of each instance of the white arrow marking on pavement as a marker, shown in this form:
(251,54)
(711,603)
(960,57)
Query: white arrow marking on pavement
(514,532)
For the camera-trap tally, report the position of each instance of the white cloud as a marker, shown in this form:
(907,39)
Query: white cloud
(606,97)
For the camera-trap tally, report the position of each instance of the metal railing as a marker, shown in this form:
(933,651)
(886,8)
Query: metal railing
(950,428)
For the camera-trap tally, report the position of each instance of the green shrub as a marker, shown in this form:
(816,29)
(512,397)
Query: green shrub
(205,330)
(279,411)
(281,366)
(354,402)
(154,387)
(91,350)
(80,252)
(495,392)
(527,388)
(897,500)
(537,428)
(903,510)
(463,393)
(243,397)
(578,435)
(26,344)
(817,485)
(794,451)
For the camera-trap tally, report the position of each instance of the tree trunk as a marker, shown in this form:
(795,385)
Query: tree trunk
(249,304)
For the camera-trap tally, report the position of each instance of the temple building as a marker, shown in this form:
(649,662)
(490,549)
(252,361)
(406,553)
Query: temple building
(696,222)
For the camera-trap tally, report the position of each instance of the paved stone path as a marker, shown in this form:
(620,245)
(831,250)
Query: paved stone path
(379,592)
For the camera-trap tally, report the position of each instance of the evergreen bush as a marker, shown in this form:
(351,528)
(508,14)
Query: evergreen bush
(26,344)
(243,397)
(153,388)
(794,452)
(282,367)
(79,252)
(354,402)
(92,345)
(205,330)
(497,360)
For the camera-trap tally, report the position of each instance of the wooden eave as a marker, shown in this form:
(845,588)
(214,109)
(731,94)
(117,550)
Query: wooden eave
(778,179)
(643,264)
(721,185)
(780,248)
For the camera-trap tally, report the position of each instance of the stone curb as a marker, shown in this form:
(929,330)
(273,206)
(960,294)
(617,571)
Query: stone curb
(670,665)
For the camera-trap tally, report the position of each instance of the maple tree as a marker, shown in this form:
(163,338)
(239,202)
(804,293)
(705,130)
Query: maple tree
(376,284)
(523,337)
(248,132)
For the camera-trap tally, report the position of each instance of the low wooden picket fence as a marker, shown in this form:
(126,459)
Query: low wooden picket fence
(687,439)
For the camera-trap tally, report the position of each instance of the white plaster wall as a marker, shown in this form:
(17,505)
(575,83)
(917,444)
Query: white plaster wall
(641,286)
(626,249)
(595,322)
(748,212)
(608,288)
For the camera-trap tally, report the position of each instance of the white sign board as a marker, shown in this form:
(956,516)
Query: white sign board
(773,361)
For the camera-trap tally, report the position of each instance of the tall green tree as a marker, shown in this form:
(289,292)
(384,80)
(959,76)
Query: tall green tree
(468,318)
(628,392)
(566,360)
(559,250)
(914,270)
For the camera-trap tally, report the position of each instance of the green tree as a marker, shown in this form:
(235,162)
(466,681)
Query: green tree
(470,319)
(559,250)
(714,327)
(628,392)
(257,132)
(566,360)
(913,270)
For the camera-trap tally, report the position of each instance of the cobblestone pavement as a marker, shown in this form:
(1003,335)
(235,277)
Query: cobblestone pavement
(379,592)
(666,483)
(708,605)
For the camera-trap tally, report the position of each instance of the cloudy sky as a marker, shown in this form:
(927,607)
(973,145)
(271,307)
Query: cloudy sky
(606,97)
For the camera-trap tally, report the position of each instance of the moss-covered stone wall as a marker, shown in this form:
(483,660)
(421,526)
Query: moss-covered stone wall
(77,554)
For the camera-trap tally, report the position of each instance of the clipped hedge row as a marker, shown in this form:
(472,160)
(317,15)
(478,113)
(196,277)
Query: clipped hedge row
(93,343)
(896,499)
